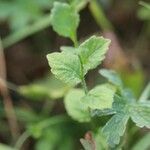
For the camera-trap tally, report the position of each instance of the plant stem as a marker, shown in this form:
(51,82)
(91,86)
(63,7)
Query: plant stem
(29,30)
(75,40)
(43,124)
(84,86)
(99,15)
(8,104)
(83,83)
(21,140)
(26,31)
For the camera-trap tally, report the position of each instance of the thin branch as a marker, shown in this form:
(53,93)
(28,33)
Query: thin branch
(8,105)
(25,135)
(26,31)
(99,16)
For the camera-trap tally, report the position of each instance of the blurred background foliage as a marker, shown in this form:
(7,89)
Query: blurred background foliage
(37,96)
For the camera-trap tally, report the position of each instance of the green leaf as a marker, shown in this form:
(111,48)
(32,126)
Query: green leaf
(92,52)
(140,114)
(146,5)
(103,112)
(86,144)
(68,49)
(112,76)
(46,88)
(27,116)
(144,14)
(66,67)
(145,94)
(36,129)
(115,128)
(101,97)
(124,107)
(64,20)
(78,4)
(120,104)
(134,80)
(75,107)
(29,12)
(54,135)
(5,147)
(100,141)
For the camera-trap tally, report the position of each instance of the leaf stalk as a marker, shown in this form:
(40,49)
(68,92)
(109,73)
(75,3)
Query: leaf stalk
(83,83)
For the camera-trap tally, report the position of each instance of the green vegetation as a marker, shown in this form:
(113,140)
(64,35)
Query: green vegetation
(63,106)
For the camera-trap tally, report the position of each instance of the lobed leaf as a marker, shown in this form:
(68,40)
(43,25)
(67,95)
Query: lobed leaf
(124,107)
(75,107)
(92,52)
(101,97)
(115,128)
(66,67)
(140,114)
(120,104)
(64,20)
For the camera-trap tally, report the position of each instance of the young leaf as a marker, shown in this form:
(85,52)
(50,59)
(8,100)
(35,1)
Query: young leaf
(101,97)
(112,77)
(68,49)
(115,128)
(92,52)
(64,20)
(140,114)
(66,67)
(75,107)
